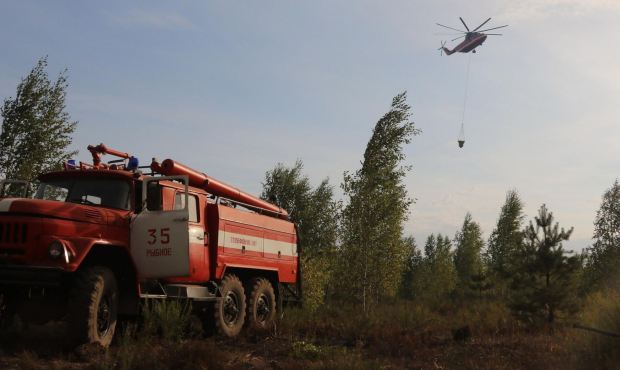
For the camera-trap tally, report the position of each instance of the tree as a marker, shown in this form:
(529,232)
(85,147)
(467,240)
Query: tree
(434,279)
(315,212)
(604,254)
(413,263)
(373,253)
(36,129)
(467,259)
(545,281)
(507,237)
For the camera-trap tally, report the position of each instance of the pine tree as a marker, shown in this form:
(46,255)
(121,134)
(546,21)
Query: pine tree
(467,260)
(373,253)
(507,237)
(36,129)
(604,254)
(315,212)
(545,280)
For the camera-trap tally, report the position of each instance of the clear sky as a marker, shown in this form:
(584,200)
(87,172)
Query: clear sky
(232,88)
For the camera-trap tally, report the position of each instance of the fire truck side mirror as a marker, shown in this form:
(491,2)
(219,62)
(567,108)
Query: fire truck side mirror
(153,196)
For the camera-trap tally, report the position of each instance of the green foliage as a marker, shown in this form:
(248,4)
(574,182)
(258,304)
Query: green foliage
(315,212)
(434,275)
(545,280)
(305,350)
(36,129)
(413,263)
(373,254)
(507,237)
(166,319)
(467,260)
(604,254)
(345,321)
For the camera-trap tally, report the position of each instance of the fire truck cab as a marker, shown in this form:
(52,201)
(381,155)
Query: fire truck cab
(97,239)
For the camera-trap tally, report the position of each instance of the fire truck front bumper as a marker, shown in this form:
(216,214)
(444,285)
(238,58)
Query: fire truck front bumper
(15,276)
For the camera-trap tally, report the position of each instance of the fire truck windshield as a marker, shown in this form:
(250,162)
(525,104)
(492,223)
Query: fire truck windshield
(98,192)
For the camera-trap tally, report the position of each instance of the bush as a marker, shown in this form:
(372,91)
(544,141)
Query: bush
(166,319)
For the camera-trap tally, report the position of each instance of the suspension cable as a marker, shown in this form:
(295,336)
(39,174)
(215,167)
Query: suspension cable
(462,133)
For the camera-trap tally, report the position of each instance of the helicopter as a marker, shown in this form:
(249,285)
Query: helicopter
(473,38)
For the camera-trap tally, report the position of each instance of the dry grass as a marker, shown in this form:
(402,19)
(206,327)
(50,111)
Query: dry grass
(595,350)
(400,335)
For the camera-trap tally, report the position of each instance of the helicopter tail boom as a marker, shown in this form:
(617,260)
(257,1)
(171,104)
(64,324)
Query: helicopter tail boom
(443,49)
(447,51)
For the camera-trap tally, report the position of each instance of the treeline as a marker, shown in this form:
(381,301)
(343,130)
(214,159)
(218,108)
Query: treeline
(355,250)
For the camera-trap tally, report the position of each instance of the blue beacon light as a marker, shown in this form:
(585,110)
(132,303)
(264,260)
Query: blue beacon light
(133,163)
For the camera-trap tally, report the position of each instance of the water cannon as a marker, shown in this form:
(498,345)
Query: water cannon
(100,150)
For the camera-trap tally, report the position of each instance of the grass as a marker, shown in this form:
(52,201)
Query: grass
(167,319)
(164,340)
(602,312)
(400,334)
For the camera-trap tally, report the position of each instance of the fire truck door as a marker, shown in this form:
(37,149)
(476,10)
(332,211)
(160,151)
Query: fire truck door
(159,238)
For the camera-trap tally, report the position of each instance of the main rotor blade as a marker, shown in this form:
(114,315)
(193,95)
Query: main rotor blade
(494,28)
(462,21)
(485,22)
(460,37)
(449,27)
(447,34)
(493,34)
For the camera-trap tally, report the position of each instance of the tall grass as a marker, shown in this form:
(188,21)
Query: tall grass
(166,319)
(395,329)
(602,312)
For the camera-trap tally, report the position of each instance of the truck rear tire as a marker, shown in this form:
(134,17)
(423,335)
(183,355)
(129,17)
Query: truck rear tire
(230,307)
(262,305)
(93,307)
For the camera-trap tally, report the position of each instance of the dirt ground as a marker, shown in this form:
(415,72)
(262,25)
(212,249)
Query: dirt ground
(43,348)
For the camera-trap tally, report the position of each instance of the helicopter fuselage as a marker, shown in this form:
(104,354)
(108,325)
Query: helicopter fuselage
(471,42)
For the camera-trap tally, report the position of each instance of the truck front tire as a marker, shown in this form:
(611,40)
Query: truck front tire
(93,307)
(230,307)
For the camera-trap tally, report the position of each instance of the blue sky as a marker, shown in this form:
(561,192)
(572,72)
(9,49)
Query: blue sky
(232,88)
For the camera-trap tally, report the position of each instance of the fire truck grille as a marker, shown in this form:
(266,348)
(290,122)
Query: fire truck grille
(11,252)
(13,233)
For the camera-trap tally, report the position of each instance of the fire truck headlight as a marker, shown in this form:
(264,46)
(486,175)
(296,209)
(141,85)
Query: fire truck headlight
(58,250)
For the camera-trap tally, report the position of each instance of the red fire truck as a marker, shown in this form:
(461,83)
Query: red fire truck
(97,239)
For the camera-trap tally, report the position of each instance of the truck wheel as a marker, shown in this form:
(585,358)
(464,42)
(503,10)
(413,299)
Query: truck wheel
(262,305)
(230,307)
(93,307)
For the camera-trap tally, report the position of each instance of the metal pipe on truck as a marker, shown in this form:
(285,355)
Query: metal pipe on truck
(170,167)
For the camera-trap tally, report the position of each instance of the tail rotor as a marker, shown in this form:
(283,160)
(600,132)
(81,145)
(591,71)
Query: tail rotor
(443,44)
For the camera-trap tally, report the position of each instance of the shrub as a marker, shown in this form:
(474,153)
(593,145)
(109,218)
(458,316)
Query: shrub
(166,319)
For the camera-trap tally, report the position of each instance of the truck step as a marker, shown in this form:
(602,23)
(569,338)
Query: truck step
(193,292)
(156,290)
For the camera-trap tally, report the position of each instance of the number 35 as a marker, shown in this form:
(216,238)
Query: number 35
(164,235)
